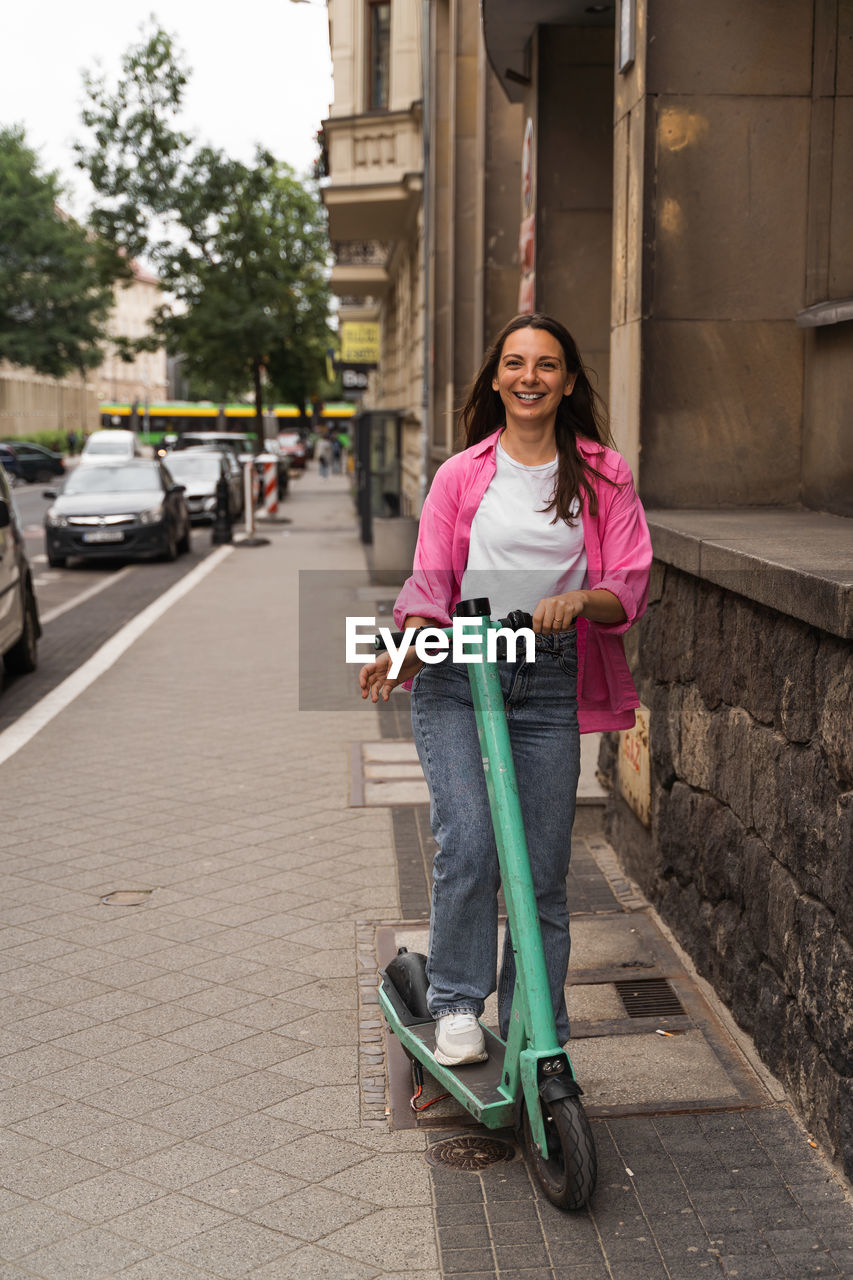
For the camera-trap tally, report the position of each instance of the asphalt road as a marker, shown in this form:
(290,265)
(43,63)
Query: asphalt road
(83,605)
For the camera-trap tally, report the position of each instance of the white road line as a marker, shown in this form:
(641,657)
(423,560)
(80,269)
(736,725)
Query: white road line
(84,595)
(25,729)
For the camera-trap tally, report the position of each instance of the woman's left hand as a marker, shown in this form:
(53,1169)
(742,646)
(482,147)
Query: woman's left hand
(558,613)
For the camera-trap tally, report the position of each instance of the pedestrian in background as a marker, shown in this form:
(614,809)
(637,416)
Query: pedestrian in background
(337,453)
(538,513)
(324,454)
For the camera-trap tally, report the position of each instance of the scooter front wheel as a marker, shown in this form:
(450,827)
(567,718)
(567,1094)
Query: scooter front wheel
(567,1174)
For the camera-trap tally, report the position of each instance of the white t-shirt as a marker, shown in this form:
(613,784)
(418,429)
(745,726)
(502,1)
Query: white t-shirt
(516,556)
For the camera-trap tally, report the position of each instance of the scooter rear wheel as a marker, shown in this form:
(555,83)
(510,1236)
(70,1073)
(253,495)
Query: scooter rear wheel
(568,1174)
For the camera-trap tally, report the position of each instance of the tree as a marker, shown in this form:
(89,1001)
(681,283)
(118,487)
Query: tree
(250,299)
(55,291)
(241,249)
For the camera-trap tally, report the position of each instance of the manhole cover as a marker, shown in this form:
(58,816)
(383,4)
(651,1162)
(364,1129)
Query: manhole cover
(470,1153)
(649,998)
(126,897)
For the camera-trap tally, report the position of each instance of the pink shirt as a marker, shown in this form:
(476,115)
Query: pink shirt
(619,556)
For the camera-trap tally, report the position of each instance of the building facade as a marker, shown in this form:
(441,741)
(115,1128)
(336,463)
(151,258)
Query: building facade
(423,176)
(680,196)
(144,378)
(373,141)
(32,402)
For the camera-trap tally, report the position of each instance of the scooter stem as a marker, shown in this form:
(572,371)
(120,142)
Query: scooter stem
(533,990)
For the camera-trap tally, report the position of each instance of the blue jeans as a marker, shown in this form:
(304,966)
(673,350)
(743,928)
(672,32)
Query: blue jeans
(541,707)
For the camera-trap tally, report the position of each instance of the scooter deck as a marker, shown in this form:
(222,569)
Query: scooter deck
(477,1085)
(480,1078)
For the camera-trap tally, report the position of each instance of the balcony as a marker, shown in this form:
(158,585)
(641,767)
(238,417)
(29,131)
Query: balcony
(375,166)
(361,268)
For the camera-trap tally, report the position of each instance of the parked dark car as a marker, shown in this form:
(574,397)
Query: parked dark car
(36,464)
(199,471)
(135,510)
(8,460)
(19,621)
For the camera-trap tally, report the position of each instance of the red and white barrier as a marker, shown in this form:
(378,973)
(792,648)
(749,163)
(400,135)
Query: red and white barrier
(271,488)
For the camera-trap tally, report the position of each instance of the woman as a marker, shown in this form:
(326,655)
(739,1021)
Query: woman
(539,514)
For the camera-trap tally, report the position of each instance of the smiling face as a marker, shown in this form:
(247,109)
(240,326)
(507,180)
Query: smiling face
(531,378)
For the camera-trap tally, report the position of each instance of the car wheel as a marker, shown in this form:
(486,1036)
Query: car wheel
(22,658)
(56,562)
(44,476)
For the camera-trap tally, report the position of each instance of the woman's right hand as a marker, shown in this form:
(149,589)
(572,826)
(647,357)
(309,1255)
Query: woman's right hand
(376,683)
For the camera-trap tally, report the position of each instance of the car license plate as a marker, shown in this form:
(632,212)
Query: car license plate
(104,535)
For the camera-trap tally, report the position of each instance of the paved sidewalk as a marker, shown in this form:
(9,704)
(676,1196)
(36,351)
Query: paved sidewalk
(179,1079)
(195,1088)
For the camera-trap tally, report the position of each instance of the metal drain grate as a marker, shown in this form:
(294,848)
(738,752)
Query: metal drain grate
(649,998)
(469,1153)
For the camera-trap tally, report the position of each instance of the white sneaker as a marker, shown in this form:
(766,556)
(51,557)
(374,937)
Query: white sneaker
(459,1039)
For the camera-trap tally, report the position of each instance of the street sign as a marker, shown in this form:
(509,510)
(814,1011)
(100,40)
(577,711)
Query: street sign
(353,379)
(359,342)
(633,771)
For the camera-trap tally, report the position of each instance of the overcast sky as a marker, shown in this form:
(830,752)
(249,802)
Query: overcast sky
(261,72)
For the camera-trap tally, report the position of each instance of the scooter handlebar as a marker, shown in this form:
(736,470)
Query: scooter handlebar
(514,621)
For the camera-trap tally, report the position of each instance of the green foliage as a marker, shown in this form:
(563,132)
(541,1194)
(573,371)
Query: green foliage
(249,286)
(136,158)
(54,278)
(241,249)
(56,440)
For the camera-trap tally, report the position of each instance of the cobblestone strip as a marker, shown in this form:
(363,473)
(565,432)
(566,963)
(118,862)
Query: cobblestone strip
(372,1072)
(627,893)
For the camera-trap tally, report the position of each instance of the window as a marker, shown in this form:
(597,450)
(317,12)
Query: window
(378,54)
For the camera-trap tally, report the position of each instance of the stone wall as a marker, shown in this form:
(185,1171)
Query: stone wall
(749,856)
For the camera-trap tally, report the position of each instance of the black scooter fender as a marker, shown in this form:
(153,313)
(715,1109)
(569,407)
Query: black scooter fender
(554,1080)
(552,1088)
(406,984)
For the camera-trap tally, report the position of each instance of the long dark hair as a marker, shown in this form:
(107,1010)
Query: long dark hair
(581,413)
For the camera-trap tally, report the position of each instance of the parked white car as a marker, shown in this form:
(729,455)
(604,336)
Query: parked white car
(112,446)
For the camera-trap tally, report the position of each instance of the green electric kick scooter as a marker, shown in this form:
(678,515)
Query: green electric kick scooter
(528,1082)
